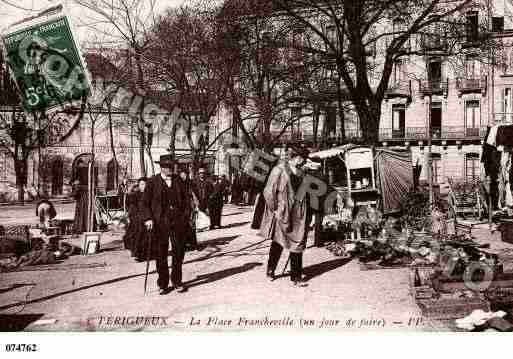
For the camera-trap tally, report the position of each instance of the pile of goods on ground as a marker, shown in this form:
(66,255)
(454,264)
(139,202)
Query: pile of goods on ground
(467,278)
(20,247)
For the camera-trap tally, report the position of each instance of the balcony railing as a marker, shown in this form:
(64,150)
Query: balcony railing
(471,84)
(328,85)
(437,133)
(505,118)
(399,89)
(350,135)
(433,42)
(286,137)
(430,87)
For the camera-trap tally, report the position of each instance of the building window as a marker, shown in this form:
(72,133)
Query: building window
(472,167)
(3,166)
(471,67)
(435,72)
(398,121)
(295,117)
(331,34)
(472,118)
(331,121)
(112,175)
(436,165)
(472,26)
(399,71)
(400,27)
(507,61)
(57,176)
(435,37)
(436,119)
(297,35)
(506,105)
(497,23)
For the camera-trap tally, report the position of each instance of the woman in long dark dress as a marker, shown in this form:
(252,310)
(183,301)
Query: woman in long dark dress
(191,240)
(80,185)
(131,208)
(137,237)
(236,189)
(81,197)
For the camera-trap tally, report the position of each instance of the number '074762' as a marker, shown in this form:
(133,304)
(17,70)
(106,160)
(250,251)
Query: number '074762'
(21,347)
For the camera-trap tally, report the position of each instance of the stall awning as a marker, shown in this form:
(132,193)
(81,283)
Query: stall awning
(332,152)
(394,177)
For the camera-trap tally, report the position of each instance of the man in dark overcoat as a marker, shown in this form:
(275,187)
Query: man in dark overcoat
(203,188)
(215,203)
(287,215)
(164,214)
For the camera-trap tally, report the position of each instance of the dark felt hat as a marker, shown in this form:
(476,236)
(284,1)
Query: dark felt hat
(166,161)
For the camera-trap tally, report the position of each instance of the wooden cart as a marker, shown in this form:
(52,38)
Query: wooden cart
(465,199)
(350,169)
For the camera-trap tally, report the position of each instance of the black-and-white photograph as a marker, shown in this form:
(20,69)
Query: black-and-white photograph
(256,165)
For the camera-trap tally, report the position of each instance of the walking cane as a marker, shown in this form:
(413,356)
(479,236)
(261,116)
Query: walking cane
(148,256)
(286,265)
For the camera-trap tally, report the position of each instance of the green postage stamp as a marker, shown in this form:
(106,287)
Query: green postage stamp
(46,62)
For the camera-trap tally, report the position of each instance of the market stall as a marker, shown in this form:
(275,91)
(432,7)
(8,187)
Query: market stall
(367,181)
(350,170)
(497,170)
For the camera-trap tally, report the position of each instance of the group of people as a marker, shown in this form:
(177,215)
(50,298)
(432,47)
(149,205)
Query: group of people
(163,209)
(243,189)
(164,206)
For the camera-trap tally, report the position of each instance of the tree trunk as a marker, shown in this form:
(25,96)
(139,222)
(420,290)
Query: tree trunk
(369,123)
(139,90)
(142,141)
(315,125)
(324,132)
(341,110)
(172,141)
(112,147)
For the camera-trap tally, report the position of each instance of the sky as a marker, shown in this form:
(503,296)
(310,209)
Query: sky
(14,10)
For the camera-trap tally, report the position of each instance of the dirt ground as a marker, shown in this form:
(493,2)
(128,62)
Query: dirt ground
(227,290)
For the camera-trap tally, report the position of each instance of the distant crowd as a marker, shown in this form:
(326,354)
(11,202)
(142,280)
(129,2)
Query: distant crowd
(204,196)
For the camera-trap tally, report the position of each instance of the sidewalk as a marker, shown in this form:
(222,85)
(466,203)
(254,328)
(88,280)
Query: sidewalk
(228,290)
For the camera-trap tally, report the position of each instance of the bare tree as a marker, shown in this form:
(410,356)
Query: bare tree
(364,39)
(127,24)
(22,134)
(186,64)
(266,78)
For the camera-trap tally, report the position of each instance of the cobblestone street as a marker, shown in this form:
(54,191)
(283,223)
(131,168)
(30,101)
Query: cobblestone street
(227,290)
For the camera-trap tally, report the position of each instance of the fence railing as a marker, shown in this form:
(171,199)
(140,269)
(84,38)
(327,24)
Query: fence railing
(419,133)
(437,133)
(471,84)
(399,88)
(433,86)
(503,118)
(433,42)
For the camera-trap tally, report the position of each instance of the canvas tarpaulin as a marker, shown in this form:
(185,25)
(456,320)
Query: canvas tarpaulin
(394,177)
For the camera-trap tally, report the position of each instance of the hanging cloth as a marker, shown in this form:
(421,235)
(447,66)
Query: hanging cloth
(491,138)
(505,196)
(491,158)
(504,136)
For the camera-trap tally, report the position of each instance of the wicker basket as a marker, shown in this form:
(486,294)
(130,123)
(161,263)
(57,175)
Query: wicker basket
(500,296)
(442,309)
(15,239)
(425,289)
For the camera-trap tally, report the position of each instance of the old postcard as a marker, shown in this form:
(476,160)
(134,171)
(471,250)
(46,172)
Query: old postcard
(256,165)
